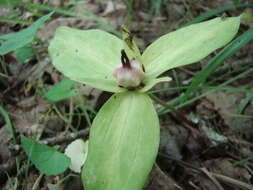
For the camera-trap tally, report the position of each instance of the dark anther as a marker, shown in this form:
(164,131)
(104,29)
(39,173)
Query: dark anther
(143,68)
(124,59)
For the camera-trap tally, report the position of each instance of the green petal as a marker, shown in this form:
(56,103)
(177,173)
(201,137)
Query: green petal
(152,82)
(130,46)
(87,56)
(189,44)
(123,143)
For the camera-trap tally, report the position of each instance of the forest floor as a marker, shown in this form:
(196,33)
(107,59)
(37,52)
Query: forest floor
(206,144)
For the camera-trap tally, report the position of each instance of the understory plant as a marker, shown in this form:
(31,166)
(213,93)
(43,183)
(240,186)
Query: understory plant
(124,137)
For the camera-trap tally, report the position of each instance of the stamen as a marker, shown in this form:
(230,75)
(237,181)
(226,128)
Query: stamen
(124,59)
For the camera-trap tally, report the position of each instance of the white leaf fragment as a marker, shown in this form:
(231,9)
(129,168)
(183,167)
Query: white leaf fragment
(77,152)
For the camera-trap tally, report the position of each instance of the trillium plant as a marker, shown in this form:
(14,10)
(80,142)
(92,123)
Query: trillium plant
(124,137)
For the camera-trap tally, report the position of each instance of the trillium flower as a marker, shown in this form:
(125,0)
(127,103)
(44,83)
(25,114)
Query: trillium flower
(124,136)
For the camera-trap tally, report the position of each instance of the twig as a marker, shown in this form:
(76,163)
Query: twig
(208,174)
(232,181)
(193,185)
(224,179)
(69,137)
(37,182)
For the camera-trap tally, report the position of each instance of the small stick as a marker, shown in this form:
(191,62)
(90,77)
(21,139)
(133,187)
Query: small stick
(69,137)
(232,181)
(220,177)
(208,174)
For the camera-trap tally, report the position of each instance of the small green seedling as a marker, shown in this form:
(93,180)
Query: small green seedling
(124,136)
(47,159)
(15,41)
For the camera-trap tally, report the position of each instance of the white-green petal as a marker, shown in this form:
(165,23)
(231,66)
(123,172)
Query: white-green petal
(130,46)
(152,82)
(87,56)
(189,44)
(123,143)
(77,151)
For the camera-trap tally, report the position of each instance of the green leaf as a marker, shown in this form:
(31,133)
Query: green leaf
(87,56)
(19,39)
(189,44)
(245,101)
(62,90)
(214,12)
(123,143)
(235,2)
(215,62)
(247,17)
(9,125)
(23,53)
(46,159)
(65,12)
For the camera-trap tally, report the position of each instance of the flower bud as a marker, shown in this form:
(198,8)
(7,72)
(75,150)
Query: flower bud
(130,74)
